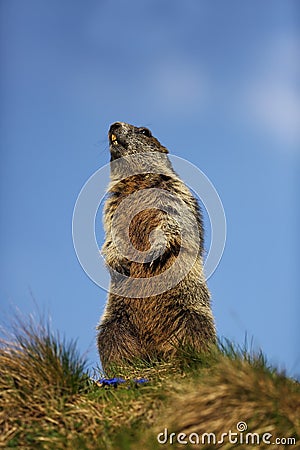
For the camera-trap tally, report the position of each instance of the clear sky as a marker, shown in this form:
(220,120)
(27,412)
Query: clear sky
(217,83)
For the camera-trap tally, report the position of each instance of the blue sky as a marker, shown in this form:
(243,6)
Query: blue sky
(217,83)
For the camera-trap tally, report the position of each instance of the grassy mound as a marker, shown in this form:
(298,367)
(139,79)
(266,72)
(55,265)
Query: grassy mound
(49,401)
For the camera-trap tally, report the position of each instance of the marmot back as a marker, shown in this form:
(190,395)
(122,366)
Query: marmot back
(153,249)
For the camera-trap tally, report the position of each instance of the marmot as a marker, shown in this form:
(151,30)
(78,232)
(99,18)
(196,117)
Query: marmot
(161,310)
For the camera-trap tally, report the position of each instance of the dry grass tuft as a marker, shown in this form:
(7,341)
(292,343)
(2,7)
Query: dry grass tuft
(235,391)
(48,400)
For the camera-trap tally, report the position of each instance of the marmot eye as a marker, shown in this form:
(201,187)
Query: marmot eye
(145,132)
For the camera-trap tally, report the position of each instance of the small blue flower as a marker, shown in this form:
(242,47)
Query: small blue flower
(111,381)
(116,381)
(140,380)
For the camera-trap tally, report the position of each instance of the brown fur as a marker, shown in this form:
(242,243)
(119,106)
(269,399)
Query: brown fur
(151,326)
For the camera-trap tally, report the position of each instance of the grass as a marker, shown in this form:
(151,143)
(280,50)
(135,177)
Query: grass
(49,401)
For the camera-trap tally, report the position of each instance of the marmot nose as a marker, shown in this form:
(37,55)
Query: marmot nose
(115,126)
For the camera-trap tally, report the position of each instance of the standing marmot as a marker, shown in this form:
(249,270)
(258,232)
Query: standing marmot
(158,298)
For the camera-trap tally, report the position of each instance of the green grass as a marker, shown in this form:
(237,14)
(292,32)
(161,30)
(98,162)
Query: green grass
(49,401)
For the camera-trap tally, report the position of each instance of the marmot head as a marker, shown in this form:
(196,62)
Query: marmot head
(127,139)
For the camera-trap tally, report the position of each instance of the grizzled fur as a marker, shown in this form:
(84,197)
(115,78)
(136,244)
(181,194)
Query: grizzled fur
(154,326)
